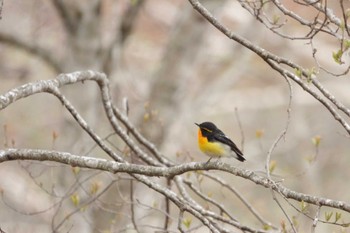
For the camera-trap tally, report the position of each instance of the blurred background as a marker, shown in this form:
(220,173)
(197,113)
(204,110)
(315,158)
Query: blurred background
(175,69)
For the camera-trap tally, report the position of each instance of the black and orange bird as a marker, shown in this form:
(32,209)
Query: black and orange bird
(214,143)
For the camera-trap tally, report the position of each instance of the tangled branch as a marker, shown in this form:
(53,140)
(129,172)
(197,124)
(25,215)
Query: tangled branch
(155,164)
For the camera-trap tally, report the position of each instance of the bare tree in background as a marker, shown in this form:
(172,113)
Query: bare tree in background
(120,160)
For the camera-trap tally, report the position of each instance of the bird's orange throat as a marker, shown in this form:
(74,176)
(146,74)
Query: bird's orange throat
(201,140)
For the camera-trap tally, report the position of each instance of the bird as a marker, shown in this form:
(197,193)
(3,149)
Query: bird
(214,143)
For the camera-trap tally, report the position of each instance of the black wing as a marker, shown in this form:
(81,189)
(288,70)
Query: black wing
(221,137)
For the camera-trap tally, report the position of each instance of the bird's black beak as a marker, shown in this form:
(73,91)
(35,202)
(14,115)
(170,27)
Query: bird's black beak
(197,125)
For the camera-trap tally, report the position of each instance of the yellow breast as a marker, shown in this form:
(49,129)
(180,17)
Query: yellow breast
(212,149)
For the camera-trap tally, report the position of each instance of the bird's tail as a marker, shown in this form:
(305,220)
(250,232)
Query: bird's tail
(240,157)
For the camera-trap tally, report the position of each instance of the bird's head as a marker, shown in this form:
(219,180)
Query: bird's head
(207,128)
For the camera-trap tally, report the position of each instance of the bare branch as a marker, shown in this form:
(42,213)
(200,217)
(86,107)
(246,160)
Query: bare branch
(114,167)
(274,61)
(179,199)
(314,223)
(242,198)
(43,85)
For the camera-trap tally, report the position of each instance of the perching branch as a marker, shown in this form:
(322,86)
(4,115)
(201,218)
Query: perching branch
(171,188)
(156,164)
(115,167)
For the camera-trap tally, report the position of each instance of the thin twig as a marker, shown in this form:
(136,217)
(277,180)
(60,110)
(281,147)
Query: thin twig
(167,208)
(273,60)
(241,198)
(314,223)
(132,155)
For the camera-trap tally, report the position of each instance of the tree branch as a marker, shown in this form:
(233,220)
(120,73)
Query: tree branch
(114,167)
(274,61)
